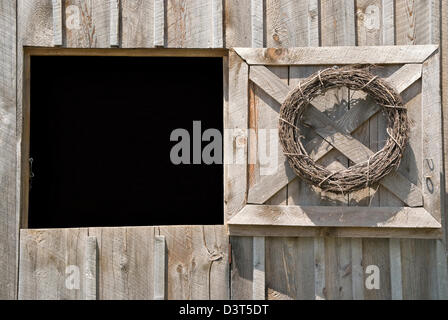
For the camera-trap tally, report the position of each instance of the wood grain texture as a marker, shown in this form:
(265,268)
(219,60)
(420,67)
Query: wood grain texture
(159,23)
(91,267)
(414,21)
(337,55)
(257,23)
(137,23)
(114,20)
(57,22)
(290,268)
(235,148)
(432,167)
(87,24)
(395,269)
(217,24)
(188,23)
(292,23)
(198,262)
(125,269)
(159,268)
(35,22)
(259,265)
(376,252)
(237,19)
(9,216)
(338,23)
(52,264)
(320,216)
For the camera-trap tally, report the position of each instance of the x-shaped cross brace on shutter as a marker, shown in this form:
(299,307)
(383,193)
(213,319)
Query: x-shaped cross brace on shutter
(336,135)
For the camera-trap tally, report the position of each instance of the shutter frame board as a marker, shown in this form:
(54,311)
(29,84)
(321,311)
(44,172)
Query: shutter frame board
(249,216)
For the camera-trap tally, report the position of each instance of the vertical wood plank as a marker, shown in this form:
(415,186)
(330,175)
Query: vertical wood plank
(357,269)
(159,23)
(257,23)
(52,264)
(159,268)
(388,22)
(290,268)
(292,23)
(237,16)
(91,269)
(114,23)
(442,270)
(188,23)
(57,22)
(432,167)
(9,216)
(89,23)
(259,288)
(137,24)
(444,60)
(395,269)
(217,24)
(198,262)
(242,271)
(338,23)
(376,252)
(125,263)
(35,23)
(319,269)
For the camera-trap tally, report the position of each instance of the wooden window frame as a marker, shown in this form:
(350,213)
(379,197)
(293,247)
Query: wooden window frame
(24,118)
(246,214)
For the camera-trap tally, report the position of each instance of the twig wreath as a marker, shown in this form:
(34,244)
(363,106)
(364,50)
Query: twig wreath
(362,174)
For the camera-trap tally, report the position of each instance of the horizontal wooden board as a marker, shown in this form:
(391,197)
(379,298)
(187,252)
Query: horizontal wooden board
(336,55)
(319,216)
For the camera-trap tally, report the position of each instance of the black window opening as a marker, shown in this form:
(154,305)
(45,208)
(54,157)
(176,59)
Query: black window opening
(100,146)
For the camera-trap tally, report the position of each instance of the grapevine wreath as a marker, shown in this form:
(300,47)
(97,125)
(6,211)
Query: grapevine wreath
(360,175)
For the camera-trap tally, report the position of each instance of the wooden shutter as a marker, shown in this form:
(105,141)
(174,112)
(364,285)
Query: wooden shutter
(260,79)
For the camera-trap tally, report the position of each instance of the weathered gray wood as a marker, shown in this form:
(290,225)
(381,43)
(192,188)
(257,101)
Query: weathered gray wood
(235,146)
(159,23)
(91,265)
(89,25)
(238,27)
(159,268)
(259,287)
(419,269)
(188,24)
(415,22)
(9,215)
(35,22)
(267,186)
(52,264)
(217,24)
(242,271)
(338,269)
(320,268)
(442,270)
(340,232)
(338,23)
(375,22)
(376,252)
(198,262)
(257,23)
(444,74)
(319,216)
(125,263)
(337,55)
(114,27)
(57,22)
(137,24)
(357,269)
(292,23)
(290,268)
(432,167)
(395,269)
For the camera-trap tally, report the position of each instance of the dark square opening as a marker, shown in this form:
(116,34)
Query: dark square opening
(100,143)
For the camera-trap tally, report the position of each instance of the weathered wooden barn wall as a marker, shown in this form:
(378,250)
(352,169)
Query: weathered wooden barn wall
(198,257)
